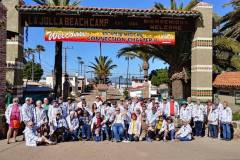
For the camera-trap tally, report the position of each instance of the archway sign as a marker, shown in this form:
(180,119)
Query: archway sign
(197,21)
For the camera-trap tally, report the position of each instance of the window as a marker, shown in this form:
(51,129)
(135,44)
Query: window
(226,93)
(237,98)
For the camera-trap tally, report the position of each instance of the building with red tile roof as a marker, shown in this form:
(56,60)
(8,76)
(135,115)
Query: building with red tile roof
(227,80)
(227,88)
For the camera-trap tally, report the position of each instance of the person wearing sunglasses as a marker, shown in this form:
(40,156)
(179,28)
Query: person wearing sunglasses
(118,125)
(13,116)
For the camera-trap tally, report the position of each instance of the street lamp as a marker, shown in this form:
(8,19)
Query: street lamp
(79,59)
(81,63)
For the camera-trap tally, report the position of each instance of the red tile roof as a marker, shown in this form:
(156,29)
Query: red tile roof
(227,79)
(79,9)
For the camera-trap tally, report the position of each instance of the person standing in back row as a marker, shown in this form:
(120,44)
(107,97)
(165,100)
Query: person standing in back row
(225,117)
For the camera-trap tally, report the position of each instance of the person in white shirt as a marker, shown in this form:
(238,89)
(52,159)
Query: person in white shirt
(190,103)
(167,129)
(172,108)
(53,110)
(163,106)
(40,119)
(31,137)
(185,112)
(131,105)
(213,118)
(58,128)
(134,128)
(185,132)
(218,104)
(118,125)
(226,120)
(198,117)
(27,111)
(71,105)
(98,102)
(73,125)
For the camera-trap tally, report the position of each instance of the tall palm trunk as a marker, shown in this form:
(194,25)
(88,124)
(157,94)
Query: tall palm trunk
(177,82)
(58,69)
(145,70)
(39,57)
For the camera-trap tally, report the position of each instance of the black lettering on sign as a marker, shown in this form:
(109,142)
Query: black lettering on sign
(110,22)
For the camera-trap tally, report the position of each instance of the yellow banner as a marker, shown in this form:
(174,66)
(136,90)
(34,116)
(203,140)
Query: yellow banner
(109,36)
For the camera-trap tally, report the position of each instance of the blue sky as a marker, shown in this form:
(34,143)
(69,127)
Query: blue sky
(89,50)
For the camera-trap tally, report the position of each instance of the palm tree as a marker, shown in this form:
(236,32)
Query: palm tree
(58,45)
(39,49)
(102,68)
(225,49)
(231,21)
(178,57)
(30,52)
(144,56)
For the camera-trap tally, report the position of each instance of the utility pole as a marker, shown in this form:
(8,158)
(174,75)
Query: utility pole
(33,57)
(65,58)
(79,60)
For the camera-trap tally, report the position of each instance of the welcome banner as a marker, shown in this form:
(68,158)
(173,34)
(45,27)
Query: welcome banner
(109,36)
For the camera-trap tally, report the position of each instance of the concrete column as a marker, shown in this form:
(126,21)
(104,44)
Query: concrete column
(14,56)
(201,67)
(3,38)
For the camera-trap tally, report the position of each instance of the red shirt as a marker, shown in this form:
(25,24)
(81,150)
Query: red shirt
(172,113)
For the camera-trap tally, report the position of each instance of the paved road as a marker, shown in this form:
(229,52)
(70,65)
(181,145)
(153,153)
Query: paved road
(199,149)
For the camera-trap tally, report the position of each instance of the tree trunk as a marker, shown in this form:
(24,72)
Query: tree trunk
(176,82)
(145,70)
(177,89)
(58,69)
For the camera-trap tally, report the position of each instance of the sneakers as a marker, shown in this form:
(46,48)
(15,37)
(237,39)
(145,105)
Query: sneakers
(125,141)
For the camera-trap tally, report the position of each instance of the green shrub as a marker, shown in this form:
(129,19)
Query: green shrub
(236,116)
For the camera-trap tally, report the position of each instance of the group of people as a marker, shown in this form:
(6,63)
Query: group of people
(133,119)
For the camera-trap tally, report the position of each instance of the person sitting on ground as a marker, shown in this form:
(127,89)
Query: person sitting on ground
(134,128)
(40,119)
(144,127)
(159,127)
(73,125)
(31,136)
(96,126)
(185,132)
(58,128)
(169,129)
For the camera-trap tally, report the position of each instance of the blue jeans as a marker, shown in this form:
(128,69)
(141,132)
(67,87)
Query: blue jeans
(226,129)
(184,138)
(213,130)
(104,131)
(198,128)
(86,131)
(74,135)
(118,131)
(172,134)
